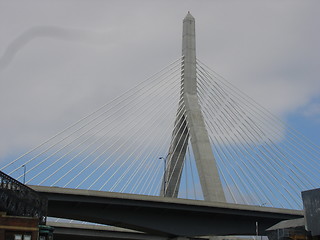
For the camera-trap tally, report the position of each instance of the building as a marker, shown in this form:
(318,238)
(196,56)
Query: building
(18,228)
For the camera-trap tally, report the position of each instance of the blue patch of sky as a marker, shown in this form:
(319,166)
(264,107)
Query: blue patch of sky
(306,122)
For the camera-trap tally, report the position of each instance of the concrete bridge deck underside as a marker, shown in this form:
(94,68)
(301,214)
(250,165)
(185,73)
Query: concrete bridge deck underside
(162,216)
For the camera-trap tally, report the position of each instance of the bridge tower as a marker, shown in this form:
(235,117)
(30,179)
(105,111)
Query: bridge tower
(190,124)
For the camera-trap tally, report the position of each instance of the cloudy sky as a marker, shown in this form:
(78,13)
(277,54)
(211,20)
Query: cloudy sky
(59,60)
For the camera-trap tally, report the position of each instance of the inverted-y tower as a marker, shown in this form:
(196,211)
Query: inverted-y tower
(190,124)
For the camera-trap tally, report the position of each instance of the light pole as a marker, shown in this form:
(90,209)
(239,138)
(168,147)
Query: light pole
(24,173)
(164,175)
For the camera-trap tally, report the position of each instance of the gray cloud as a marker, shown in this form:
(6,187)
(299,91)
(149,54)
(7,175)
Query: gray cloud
(54,32)
(268,49)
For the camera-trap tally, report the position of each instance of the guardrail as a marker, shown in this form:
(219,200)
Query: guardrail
(19,200)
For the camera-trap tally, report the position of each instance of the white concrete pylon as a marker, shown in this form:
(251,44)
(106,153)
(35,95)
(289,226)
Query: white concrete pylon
(193,118)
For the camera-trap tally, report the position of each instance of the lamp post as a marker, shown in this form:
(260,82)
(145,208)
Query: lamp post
(24,173)
(164,175)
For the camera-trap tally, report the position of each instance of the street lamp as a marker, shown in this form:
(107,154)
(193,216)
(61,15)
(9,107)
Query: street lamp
(164,175)
(24,173)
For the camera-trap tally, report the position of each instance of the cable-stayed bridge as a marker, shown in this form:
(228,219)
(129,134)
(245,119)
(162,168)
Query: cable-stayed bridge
(184,132)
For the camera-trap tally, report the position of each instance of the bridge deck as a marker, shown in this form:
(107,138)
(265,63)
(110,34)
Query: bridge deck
(162,216)
(71,231)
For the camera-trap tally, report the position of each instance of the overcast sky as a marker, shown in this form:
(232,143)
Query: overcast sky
(59,60)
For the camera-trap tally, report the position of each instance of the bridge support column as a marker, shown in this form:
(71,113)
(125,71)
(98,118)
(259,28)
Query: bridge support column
(194,121)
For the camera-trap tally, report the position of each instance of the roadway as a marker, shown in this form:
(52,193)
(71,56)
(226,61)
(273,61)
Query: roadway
(161,216)
(72,231)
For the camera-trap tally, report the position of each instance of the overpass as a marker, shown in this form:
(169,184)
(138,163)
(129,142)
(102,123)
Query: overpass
(162,216)
(73,231)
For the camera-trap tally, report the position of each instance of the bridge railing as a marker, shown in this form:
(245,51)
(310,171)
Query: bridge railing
(19,200)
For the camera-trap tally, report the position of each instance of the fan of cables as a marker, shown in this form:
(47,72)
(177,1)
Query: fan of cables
(123,145)
(115,148)
(261,160)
